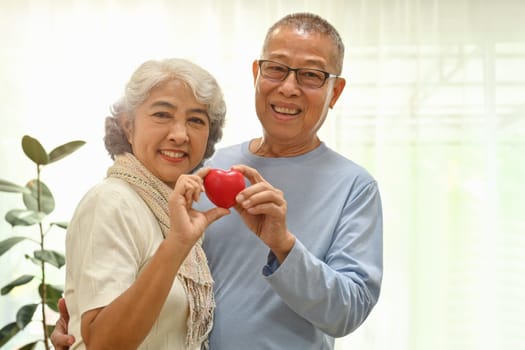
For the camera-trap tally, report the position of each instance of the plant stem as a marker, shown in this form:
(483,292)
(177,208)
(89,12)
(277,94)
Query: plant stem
(43,298)
(44,291)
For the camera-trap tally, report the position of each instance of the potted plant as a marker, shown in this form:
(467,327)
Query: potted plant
(39,203)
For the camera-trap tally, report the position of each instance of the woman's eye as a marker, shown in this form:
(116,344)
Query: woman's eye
(197,120)
(162,115)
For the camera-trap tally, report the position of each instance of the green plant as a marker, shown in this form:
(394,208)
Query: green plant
(39,203)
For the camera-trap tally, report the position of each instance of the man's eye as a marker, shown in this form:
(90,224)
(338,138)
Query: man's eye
(278,69)
(312,75)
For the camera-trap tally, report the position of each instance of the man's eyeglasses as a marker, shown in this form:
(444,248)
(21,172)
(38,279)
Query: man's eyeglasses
(307,77)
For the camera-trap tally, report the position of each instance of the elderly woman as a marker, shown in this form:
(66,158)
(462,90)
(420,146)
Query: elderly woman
(136,275)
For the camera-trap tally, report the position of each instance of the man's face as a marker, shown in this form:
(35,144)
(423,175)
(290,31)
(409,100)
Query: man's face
(290,113)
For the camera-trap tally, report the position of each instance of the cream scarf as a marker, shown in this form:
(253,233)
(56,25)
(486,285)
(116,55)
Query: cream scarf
(194,273)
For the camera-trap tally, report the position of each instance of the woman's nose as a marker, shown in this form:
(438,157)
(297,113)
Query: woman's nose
(178,133)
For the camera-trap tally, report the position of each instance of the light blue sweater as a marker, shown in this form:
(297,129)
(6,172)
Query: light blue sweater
(331,279)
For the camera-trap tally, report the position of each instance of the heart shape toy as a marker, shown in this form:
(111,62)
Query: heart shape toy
(222,186)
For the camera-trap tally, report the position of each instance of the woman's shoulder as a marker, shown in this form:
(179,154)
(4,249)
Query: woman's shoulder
(111,185)
(112,193)
(116,201)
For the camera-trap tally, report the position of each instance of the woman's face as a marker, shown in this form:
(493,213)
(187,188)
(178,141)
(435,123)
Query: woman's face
(170,131)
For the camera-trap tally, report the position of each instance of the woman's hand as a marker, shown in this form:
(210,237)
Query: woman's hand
(186,223)
(263,209)
(60,339)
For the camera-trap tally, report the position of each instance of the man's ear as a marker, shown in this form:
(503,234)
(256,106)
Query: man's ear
(255,71)
(337,89)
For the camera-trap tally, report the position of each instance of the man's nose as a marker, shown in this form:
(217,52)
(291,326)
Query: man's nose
(289,86)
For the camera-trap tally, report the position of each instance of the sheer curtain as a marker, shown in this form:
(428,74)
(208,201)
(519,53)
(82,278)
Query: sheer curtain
(434,108)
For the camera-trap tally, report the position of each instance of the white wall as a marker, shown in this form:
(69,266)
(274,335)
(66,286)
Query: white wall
(434,108)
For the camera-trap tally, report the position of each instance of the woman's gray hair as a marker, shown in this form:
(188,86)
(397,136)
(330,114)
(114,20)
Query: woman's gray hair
(151,74)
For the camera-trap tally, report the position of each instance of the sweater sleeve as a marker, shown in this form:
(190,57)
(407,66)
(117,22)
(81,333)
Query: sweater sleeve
(336,293)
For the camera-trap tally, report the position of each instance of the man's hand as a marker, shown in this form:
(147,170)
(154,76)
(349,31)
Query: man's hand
(60,339)
(263,209)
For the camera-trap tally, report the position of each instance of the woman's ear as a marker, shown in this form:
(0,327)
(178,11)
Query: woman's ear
(125,124)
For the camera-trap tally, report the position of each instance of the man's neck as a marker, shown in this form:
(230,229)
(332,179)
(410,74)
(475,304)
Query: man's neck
(263,148)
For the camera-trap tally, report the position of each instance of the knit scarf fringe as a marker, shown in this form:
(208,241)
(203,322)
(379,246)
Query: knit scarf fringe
(194,273)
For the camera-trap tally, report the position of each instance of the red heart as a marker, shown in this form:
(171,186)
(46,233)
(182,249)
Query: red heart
(222,186)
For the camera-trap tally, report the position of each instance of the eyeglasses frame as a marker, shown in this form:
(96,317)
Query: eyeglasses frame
(327,75)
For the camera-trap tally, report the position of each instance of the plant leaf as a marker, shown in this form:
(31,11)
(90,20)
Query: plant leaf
(25,315)
(29,346)
(64,150)
(8,332)
(51,327)
(33,260)
(8,243)
(34,150)
(47,201)
(20,281)
(61,224)
(6,186)
(22,217)
(51,257)
(53,293)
